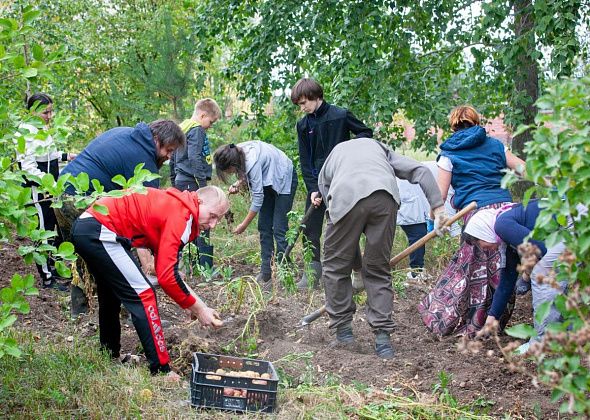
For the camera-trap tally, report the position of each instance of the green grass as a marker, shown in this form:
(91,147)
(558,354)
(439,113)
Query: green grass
(74,379)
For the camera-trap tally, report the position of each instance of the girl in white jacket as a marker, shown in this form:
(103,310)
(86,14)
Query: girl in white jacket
(39,158)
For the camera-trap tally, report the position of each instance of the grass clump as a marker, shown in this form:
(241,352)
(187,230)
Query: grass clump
(75,379)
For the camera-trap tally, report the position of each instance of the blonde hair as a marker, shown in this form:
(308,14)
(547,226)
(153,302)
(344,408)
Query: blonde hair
(463,116)
(215,194)
(208,106)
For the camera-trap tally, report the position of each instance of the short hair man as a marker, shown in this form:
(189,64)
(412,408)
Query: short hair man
(191,165)
(162,221)
(324,126)
(117,152)
(358,185)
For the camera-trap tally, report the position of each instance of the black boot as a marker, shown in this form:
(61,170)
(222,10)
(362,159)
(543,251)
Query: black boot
(383,347)
(206,256)
(344,334)
(314,279)
(79,303)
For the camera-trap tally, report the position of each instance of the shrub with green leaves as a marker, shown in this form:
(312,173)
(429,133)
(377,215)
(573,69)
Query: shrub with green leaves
(558,162)
(24,67)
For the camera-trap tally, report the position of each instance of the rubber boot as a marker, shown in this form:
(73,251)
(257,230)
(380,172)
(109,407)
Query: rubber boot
(206,256)
(264,281)
(314,279)
(383,347)
(344,334)
(79,303)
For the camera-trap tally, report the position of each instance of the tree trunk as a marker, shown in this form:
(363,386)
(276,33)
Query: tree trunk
(526,77)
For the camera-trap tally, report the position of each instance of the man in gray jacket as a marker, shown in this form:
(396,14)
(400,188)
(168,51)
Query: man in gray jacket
(358,185)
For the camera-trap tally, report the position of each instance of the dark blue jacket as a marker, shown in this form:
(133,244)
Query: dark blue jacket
(116,152)
(318,133)
(478,162)
(512,227)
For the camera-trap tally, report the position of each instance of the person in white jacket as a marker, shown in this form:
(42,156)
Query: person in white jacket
(41,157)
(413,218)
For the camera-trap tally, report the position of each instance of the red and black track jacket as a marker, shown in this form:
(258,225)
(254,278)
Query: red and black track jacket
(161,220)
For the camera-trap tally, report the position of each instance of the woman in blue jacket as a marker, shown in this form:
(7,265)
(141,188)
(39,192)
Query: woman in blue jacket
(473,164)
(271,178)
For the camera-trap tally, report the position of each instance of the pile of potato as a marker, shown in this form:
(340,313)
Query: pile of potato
(256,377)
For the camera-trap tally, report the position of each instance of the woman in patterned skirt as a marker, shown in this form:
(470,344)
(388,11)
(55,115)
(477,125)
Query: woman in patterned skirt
(473,164)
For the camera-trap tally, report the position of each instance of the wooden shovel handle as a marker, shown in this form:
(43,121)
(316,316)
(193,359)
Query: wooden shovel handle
(471,206)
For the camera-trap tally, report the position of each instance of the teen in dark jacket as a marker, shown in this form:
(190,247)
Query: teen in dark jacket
(323,127)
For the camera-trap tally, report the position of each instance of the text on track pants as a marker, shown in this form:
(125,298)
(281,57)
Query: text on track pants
(120,280)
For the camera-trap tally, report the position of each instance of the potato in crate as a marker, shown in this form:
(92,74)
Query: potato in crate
(233,383)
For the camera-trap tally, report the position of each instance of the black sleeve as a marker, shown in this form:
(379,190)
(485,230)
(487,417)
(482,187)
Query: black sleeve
(172,164)
(311,182)
(357,127)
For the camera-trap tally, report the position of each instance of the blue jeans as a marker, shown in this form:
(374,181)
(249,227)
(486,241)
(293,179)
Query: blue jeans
(414,233)
(273,223)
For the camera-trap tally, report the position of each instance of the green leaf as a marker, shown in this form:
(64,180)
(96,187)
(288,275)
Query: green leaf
(10,24)
(62,269)
(10,347)
(7,322)
(28,17)
(65,249)
(30,72)
(18,283)
(99,208)
(120,180)
(542,311)
(37,52)
(522,331)
(7,295)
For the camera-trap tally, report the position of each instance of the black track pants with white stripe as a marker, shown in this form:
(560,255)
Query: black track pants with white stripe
(120,280)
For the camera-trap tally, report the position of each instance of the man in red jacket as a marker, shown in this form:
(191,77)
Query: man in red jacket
(163,221)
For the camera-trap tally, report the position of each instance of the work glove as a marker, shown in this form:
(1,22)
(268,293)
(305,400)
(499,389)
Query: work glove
(440,219)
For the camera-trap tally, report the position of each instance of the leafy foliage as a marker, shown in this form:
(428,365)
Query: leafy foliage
(559,163)
(22,65)
(379,57)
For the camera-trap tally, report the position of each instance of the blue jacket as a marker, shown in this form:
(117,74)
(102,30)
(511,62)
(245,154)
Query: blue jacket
(117,151)
(512,227)
(478,161)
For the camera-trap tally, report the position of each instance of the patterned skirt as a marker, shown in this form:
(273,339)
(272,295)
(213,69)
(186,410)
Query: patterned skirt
(463,293)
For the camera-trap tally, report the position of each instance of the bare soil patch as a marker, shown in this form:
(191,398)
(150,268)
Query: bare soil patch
(420,356)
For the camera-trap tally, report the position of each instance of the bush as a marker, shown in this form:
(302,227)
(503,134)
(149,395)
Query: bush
(558,162)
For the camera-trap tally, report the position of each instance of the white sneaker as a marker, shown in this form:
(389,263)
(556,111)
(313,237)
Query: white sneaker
(416,276)
(522,349)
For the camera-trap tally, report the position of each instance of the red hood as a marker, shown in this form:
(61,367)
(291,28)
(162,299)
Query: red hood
(189,200)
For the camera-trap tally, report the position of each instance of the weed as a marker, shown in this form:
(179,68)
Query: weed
(245,291)
(441,389)
(399,278)
(360,298)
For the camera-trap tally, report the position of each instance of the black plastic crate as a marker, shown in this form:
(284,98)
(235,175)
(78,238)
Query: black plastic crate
(207,387)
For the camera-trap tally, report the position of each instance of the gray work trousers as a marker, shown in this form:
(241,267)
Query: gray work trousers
(544,292)
(374,216)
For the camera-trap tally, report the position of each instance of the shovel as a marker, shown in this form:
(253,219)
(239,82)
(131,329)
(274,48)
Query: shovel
(308,319)
(304,221)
